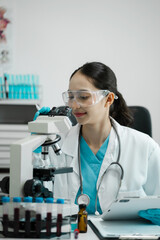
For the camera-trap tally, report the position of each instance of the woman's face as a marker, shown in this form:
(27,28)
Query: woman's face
(89,114)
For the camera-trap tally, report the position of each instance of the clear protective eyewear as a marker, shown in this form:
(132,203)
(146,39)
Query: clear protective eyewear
(84,98)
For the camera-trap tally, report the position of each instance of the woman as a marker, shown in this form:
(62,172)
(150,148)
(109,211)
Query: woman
(103,139)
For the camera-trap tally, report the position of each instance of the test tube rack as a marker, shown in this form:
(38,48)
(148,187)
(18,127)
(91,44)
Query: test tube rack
(33,220)
(20,87)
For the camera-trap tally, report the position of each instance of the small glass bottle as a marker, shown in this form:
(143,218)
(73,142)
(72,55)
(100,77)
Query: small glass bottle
(82,218)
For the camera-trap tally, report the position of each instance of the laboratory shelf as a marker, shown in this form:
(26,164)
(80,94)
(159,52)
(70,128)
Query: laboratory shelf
(20,101)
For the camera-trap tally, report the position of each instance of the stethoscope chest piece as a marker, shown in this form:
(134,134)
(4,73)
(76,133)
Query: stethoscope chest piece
(83,199)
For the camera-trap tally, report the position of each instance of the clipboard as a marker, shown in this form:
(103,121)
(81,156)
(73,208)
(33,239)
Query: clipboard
(128,208)
(124,229)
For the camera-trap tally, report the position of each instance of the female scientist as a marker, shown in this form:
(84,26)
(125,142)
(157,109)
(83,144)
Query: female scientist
(109,159)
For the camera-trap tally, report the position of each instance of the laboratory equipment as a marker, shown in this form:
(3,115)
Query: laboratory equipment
(59,217)
(5,201)
(49,202)
(20,87)
(27,201)
(39,201)
(36,224)
(16,216)
(46,131)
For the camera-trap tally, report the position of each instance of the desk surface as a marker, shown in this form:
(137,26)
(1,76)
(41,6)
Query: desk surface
(90,235)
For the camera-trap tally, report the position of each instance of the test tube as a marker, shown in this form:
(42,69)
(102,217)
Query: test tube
(39,201)
(5,202)
(17,83)
(49,205)
(27,201)
(36,87)
(59,216)
(3,88)
(16,206)
(12,86)
(6,86)
(0,87)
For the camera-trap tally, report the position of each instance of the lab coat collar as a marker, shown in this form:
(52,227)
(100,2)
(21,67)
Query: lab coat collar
(70,144)
(70,147)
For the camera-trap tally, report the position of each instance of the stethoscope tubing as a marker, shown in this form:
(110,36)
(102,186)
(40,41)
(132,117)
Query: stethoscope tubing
(113,163)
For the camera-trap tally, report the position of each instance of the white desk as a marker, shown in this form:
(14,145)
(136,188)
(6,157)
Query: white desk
(90,235)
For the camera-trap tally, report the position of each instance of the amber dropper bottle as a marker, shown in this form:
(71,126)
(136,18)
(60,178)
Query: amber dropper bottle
(82,218)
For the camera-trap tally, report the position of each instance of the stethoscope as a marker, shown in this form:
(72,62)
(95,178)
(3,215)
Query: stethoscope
(84,198)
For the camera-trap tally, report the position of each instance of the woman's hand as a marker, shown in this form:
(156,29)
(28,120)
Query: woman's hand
(43,110)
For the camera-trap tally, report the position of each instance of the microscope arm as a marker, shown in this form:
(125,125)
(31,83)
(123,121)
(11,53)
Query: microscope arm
(21,168)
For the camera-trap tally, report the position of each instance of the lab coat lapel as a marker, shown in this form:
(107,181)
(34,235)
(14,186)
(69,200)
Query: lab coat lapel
(109,184)
(70,148)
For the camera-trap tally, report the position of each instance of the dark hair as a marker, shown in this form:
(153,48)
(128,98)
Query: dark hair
(104,78)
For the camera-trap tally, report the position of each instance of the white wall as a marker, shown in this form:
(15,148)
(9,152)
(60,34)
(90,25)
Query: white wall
(53,37)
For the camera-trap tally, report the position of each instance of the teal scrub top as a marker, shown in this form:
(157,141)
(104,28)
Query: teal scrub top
(90,167)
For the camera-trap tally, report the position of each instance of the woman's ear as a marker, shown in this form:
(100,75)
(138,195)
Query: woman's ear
(109,99)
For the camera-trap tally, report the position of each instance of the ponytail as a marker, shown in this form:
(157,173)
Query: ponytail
(121,112)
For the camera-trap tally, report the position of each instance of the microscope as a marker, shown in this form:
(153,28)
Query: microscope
(25,178)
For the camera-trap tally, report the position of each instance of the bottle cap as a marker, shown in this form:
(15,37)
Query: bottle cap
(49,200)
(82,206)
(27,199)
(39,200)
(5,199)
(17,199)
(60,200)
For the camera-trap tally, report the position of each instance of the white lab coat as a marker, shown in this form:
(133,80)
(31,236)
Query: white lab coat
(140,159)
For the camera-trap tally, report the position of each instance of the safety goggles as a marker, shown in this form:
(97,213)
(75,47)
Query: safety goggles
(84,98)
